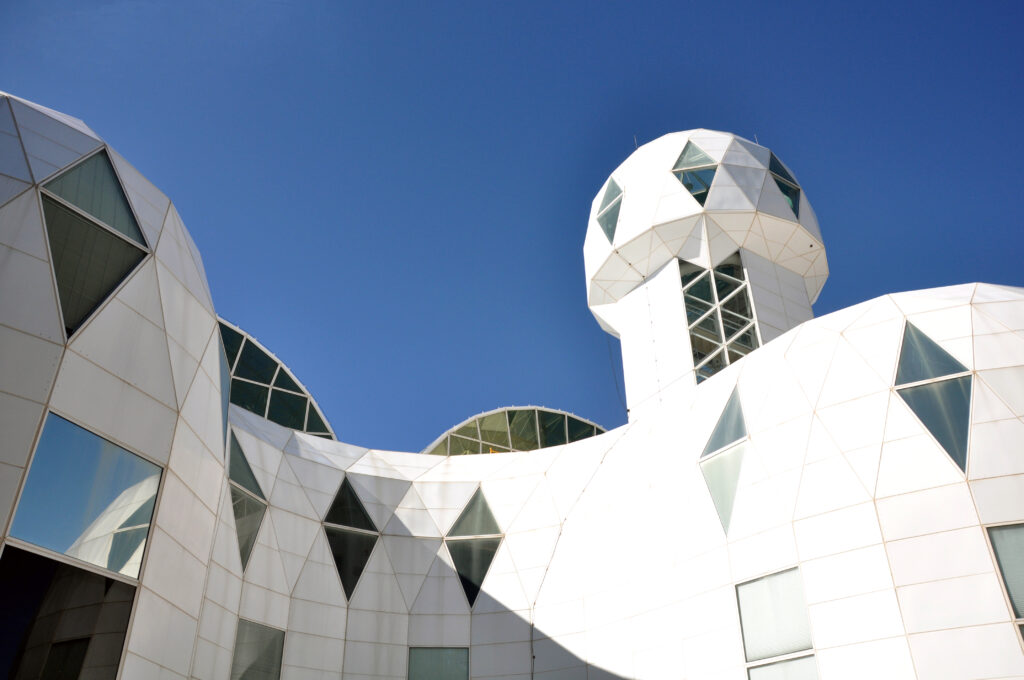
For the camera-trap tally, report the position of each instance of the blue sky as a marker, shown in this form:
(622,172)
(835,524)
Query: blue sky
(393,197)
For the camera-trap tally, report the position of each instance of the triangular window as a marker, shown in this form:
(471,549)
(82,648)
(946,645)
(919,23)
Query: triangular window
(921,358)
(472,543)
(730,427)
(722,475)
(351,534)
(348,511)
(92,187)
(239,471)
(692,157)
(696,171)
(247,500)
(787,185)
(608,213)
(944,407)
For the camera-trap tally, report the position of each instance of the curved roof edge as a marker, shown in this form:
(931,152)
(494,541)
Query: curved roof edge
(513,428)
(262,384)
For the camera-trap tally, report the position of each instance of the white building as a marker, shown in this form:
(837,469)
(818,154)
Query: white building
(792,498)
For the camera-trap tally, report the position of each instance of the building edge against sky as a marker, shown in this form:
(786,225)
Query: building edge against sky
(792,497)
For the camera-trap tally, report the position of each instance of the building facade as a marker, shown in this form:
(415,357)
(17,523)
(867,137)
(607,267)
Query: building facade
(792,497)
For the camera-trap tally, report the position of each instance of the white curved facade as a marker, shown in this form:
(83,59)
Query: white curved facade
(840,501)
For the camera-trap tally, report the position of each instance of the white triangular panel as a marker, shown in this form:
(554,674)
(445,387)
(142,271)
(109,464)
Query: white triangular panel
(441,592)
(142,294)
(749,180)
(379,495)
(986,405)
(1008,385)
(411,557)
(185,319)
(289,495)
(264,568)
(174,252)
(12,156)
(501,589)
(21,226)
(319,580)
(725,195)
(720,245)
(320,482)
(772,201)
(70,121)
(714,144)
(737,154)
(377,589)
(10,187)
(864,462)
(445,500)
(412,518)
(28,302)
(50,144)
(149,203)
(761,154)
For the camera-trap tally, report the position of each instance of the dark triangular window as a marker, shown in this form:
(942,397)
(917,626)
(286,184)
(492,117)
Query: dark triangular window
(89,262)
(348,511)
(239,471)
(476,519)
(692,157)
(248,513)
(232,342)
(695,170)
(351,551)
(944,407)
(730,428)
(787,185)
(921,358)
(608,213)
(92,187)
(472,558)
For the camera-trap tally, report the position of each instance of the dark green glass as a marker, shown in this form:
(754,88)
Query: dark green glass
(287,409)
(944,408)
(716,364)
(460,446)
(348,511)
(777,168)
(314,422)
(701,289)
(579,430)
(258,652)
(792,195)
(285,382)
(232,340)
(476,519)
(248,516)
(472,558)
(921,358)
(239,471)
(552,429)
(351,551)
(610,194)
(92,187)
(494,429)
(438,663)
(255,364)
(725,284)
(523,430)
(721,474)
(609,219)
(249,396)
(738,304)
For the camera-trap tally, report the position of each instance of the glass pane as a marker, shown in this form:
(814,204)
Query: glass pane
(441,449)
(745,342)
(285,382)
(921,358)
(730,428)
(250,396)
(255,364)
(1008,545)
(88,261)
(609,219)
(739,304)
(472,557)
(552,428)
(695,308)
(258,652)
(712,366)
(523,430)
(248,517)
(92,612)
(468,430)
(494,429)
(225,392)
(476,519)
(708,329)
(697,182)
(80,489)
(314,422)
(776,167)
(438,663)
(239,471)
(347,510)
(287,409)
(610,194)
(493,448)
(791,194)
(944,408)
(773,615)
(351,550)
(731,266)
(701,289)
(688,272)
(733,323)
(725,285)
(232,342)
(803,668)
(722,474)
(579,430)
(701,348)
(92,186)
(459,446)
(691,157)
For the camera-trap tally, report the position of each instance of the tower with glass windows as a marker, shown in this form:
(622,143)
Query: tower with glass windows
(701,247)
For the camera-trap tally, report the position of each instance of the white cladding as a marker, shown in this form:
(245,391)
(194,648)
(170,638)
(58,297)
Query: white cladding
(613,561)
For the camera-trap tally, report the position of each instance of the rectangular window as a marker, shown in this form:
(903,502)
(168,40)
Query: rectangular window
(773,618)
(438,663)
(1008,546)
(87,498)
(258,652)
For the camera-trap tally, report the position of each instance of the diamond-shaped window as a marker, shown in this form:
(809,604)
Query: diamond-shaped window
(608,213)
(722,458)
(472,543)
(351,534)
(247,500)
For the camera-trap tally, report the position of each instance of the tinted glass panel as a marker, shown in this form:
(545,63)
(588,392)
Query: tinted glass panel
(1008,545)
(248,517)
(730,427)
(88,261)
(258,652)
(738,304)
(552,428)
(255,364)
(225,392)
(92,186)
(351,550)
(945,409)
(441,449)
(609,219)
(459,446)
(695,308)
(731,267)
(921,358)
(722,474)
(285,382)
(773,615)
(468,430)
(239,471)
(314,423)
(476,519)
(803,668)
(610,194)
(347,510)
(791,194)
(701,289)
(58,617)
(725,285)
(714,365)
(80,489)
(523,429)
(232,342)
(579,430)
(688,272)
(472,558)
(698,182)
(494,429)
(287,409)
(776,166)
(438,663)
(692,157)
(250,396)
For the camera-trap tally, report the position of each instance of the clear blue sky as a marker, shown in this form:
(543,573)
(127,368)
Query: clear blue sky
(393,196)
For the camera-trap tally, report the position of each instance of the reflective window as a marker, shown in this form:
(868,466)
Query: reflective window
(89,261)
(92,187)
(494,429)
(921,358)
(247,500)
(472,542)
(722,474)
(351,534)
(1008,546)
(608,213)
(718,314)
(287,409)
(232,342)
(250,396)
(87,498)
(695,170)
(512,429)
(731,426)
(787,185)
(552,428)
(773,616)
(60,621)
(438,663)
(255,364)
(258,652)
